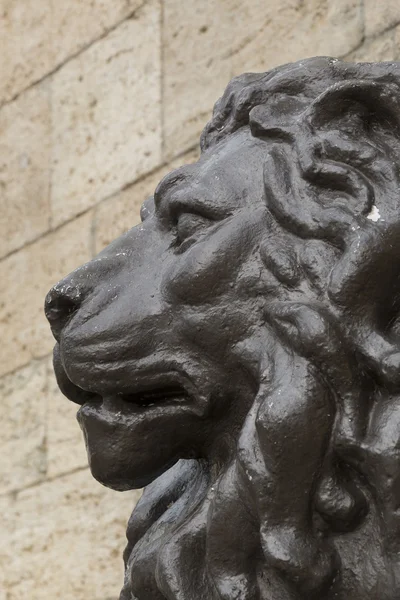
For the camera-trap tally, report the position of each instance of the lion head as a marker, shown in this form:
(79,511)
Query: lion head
(238,352)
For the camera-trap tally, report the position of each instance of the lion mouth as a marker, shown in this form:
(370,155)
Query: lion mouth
(145,398)
(155,390)
(151,397)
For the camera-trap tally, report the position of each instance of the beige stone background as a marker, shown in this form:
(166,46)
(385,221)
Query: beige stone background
(99,99)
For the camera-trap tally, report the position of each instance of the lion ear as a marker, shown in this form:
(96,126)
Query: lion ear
(343,165)
(369,102)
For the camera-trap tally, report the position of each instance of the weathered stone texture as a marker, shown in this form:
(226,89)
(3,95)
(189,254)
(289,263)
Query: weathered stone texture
(25,29)
(24,168)
(396,35)
(38,35)
(75,23)
(380,15)
(119,213)
(106,115)
(40,435)
(64,539)
(23,427)
(380,48)
(64,440)
(209,42)
(26,277)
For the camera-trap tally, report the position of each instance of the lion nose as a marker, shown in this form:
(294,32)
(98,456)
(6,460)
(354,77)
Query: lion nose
(61,302)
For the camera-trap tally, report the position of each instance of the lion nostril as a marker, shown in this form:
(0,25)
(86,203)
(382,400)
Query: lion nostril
(61,302)
(58,308)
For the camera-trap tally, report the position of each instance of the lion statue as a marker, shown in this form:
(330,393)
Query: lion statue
(238,352)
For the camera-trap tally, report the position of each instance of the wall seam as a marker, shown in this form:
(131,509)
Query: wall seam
(362,10)
(16,491)
(395,46)
(125,187)
(162,77)
(51,157)
(44,445)
(93,231)
(72,56)
(371,38)
(36,359)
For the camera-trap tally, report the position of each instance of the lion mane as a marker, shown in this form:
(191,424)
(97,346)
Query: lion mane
(331,175)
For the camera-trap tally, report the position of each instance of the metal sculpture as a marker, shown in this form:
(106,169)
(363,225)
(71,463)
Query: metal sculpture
(238,353)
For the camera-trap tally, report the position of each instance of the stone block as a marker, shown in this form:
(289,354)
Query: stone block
(207,43)
(380,15)
(23,401)
(299,30)
(64,539)
(119,213)
(75,23)
(64,441)
(38,35)
(26,276)
(25,44)
(106,115)
(381,48)
(24,168)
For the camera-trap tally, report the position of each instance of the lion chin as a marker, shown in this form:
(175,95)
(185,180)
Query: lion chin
(238,352)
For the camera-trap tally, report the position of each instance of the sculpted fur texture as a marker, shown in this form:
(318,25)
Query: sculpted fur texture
(238,352)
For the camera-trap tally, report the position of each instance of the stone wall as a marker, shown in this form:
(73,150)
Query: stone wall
(99,99)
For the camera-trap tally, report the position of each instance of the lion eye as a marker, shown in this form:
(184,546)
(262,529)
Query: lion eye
(187,227)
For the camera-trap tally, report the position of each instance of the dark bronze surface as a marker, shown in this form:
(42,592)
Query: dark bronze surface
(238,353)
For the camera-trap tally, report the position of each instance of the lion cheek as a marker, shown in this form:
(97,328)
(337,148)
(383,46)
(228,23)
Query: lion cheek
(209,267)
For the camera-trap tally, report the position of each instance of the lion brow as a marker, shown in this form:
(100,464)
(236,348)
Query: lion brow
(169,181)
